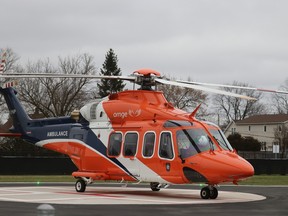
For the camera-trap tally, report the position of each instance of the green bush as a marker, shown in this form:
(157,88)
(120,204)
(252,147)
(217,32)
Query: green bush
(244,143)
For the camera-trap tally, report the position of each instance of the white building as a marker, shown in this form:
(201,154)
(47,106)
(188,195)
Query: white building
(260,127)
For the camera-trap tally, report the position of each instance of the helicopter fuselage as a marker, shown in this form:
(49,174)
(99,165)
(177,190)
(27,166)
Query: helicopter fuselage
(139,136)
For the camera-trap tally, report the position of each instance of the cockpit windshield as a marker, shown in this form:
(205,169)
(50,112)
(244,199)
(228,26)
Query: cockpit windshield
(221,139)
(193,141)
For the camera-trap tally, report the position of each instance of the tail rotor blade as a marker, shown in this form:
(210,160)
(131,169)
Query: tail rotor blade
(3,62)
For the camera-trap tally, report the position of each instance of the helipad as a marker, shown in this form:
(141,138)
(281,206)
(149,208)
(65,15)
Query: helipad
(116,195)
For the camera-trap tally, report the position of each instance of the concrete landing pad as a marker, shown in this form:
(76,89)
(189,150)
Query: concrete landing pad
(116,195)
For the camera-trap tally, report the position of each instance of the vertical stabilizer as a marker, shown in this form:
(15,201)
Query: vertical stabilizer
(16,111)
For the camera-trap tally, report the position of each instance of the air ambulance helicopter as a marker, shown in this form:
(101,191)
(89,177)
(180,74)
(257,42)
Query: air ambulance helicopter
(134,136)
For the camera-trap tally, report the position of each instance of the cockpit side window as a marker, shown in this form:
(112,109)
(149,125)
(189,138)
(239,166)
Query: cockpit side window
(200,137)
(193,141)
(165,148)
(185,146)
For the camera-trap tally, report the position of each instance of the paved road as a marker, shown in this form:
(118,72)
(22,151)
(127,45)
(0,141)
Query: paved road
(275,204)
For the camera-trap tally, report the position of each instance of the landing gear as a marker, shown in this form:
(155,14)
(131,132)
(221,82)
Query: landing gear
(82,182)
(155,186)
(205,193)
(80,185)
(213,193)
(209,192)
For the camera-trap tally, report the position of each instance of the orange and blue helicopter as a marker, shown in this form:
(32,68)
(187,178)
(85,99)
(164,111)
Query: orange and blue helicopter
(135,136)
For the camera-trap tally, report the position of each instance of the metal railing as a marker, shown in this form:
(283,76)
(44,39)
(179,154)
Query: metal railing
(262,155)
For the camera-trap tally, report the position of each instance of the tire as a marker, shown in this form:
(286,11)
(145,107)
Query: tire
(154,186)
(80,185)
(205,193)
(213,193)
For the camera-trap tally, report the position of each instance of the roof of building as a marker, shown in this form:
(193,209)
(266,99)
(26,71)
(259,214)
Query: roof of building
(265,119)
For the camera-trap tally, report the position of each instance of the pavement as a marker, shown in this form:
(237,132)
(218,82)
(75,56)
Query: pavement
(114,199)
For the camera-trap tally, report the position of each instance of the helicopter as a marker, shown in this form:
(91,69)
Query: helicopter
(134,136)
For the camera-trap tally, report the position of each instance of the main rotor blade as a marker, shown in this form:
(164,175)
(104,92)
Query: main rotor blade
(232,86)
(202,88)
(51,75)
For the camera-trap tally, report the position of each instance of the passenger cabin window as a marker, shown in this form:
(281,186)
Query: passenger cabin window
(93,111)
(165,148)
(114,145)
(148,146)
(130,144)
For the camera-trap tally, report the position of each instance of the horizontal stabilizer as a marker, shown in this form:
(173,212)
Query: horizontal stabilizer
(10,134)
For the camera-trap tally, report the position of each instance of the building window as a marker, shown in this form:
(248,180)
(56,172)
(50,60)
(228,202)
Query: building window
(130,144)
(265,128)
(233,130)
(114,145)
(249,128)
(148,146)
(263,146)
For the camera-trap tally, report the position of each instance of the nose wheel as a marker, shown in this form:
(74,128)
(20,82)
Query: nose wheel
(209,192)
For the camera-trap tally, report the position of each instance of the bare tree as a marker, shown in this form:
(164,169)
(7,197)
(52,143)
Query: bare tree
(280,101)
(57,96)
(281,135)
(236,108)
(184,98)
(11,59)
(11,64)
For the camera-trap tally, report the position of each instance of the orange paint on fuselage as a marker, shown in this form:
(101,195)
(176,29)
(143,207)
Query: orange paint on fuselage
(216,166)
(147,111)
(88,160)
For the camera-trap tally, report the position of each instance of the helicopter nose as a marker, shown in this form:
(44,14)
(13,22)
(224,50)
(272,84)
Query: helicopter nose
(239,169)
(247,170)
(217,168)
(233,167)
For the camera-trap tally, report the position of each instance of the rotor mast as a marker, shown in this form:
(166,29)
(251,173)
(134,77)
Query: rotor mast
(146,78)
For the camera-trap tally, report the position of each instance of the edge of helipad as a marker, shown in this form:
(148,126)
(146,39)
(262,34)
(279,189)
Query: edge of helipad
(117,195)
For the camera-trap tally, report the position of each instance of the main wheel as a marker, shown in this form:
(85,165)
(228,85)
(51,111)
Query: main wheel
(80,185)
(154,186)
(213,193)
(205,193)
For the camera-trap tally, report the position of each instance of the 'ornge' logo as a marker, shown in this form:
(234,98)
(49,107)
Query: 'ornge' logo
(131,113)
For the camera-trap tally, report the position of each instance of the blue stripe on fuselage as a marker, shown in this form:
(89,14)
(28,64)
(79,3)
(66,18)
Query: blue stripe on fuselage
(36,134)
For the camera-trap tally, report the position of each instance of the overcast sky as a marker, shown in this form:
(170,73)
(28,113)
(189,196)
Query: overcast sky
(216,41)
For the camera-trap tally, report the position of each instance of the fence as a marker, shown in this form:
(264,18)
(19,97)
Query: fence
(261,155)
(272,166)
(36,166)
(64,166)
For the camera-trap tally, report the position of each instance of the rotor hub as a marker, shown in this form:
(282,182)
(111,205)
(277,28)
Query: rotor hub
(145,77)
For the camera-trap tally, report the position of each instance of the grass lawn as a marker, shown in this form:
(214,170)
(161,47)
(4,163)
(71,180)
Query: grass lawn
(255,180)
(266,180)
(36,178)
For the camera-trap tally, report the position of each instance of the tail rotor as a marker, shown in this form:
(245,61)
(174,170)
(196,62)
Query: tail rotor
(3,62)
